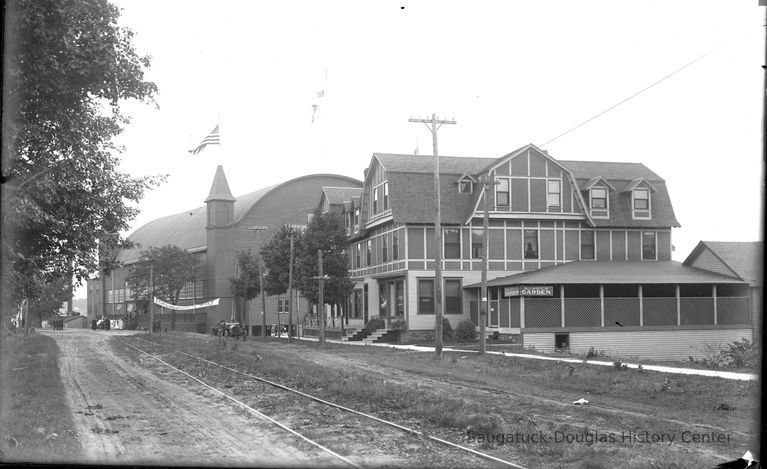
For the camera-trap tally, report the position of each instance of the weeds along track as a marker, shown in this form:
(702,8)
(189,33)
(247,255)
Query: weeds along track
(465,455)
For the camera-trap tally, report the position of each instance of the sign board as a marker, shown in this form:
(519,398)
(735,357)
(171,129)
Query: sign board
(529,290)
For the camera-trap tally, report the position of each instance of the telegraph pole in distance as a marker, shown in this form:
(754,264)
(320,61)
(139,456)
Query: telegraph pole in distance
(433,125)
(290,292)
(321,298)
(484,304)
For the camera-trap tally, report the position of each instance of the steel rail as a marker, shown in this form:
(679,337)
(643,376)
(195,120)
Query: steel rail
(266,417)
(356,412)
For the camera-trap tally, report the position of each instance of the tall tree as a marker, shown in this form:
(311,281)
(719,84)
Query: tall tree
(247,284)
(276,255)
(48,301)
(67,67)
(325,232)
(169,267)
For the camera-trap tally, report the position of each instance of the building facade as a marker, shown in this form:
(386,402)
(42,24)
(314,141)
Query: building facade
(596,236)
(216,233)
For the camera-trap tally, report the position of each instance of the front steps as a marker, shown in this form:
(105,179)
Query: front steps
(377,336)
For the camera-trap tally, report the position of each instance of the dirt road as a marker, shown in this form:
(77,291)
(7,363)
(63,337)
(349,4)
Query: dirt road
(126,414)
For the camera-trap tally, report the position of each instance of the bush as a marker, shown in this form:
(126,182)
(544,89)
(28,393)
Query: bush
(466,331)
(741,354)
(593,353)
(374,324)
(447,329)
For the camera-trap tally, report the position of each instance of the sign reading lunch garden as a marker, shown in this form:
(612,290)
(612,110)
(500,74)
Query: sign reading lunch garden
(529,290)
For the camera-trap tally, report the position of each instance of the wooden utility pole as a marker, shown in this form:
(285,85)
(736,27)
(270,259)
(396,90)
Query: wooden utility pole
(321,298)
(257,230)
(484,304)
(290,292)
(151,298)
(433,125)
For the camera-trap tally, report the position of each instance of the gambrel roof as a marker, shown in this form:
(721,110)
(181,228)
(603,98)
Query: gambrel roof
(624,177)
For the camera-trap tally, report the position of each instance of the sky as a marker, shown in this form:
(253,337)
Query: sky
(509,72)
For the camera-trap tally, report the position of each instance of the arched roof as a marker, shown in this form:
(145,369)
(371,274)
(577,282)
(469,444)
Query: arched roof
(187,229)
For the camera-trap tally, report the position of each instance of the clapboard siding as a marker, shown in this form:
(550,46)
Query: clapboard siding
(651,345)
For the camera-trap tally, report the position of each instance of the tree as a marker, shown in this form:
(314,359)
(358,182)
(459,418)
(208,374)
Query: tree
(276,256)
(247,284)
(325,232)
(68,65)
(168,268)
(48,300)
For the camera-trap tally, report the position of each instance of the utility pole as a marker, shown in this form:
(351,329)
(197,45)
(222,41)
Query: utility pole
(257,230)
(483,304)
(321,299)
(433,125)
(290,292)
(151,298)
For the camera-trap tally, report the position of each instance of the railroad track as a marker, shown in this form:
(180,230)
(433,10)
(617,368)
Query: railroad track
(406,430)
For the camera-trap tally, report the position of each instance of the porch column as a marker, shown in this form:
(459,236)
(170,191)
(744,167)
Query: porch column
(562,301)
(641,306)
(678,307)
(713,295)
(521,311)
(602,304)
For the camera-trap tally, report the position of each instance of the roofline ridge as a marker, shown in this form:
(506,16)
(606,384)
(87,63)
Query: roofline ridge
(271,189)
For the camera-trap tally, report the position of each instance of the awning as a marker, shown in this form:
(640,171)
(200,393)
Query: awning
(595,272)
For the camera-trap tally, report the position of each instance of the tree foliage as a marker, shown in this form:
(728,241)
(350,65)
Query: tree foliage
(68,65)
(246,284)
(276,255)
(325,232)
(169,267)
(48,300)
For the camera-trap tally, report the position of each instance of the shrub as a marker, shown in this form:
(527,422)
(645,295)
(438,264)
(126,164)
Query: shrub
(447,329)
(373,324)
(741,353)
(398,325)
(466,331)
(593,353)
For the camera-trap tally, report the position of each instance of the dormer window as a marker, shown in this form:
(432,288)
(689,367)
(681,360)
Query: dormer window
(640,203)
(465,186)
(502,192)
(598,202)
(386,196)
(356,219)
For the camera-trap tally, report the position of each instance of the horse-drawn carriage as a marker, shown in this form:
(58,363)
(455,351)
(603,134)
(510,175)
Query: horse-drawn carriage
(231,329)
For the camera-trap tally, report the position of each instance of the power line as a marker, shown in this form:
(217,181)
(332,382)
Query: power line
(631,97)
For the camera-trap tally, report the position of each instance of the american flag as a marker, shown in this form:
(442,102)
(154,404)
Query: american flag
(211,139)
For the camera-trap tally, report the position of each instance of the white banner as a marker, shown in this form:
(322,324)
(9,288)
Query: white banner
(158,301)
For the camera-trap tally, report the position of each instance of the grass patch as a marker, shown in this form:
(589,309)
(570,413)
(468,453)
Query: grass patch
(35,419)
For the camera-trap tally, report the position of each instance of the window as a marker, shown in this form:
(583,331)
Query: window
(640,202)
(477,241)
(385,241)
(348,223)
(395,246)
(426,296)
(465,186)
(283,305)
(554,193)
(375,201)
(641,199)
(356,218)
(599,198)
(399,292)
(587,245)
(369,253)
(531,244)
(502,193)
(453,296)
(452,237)
(384,293)
(648,246)
(386,196)
(358,255)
